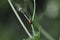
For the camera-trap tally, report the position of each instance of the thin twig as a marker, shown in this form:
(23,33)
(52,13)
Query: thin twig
(34,10)
(19,19)
(33,17)
(25,16)
(32,29)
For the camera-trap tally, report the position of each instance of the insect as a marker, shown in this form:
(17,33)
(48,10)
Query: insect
(30,21)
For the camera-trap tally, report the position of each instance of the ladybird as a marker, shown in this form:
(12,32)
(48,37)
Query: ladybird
(30,21)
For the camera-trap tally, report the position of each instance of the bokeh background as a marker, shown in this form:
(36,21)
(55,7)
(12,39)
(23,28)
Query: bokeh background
(47,11)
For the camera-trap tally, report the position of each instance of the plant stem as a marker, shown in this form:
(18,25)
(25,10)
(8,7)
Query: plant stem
(34,10)
(32,29)
(25,16)
(33,17)
(19,19)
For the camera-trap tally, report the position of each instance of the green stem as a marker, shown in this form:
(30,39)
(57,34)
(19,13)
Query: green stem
(19,19)
(32,29)
(34,11)
(33,17)
(25,15)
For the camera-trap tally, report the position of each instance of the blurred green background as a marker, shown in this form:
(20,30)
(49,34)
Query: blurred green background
(48,13)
